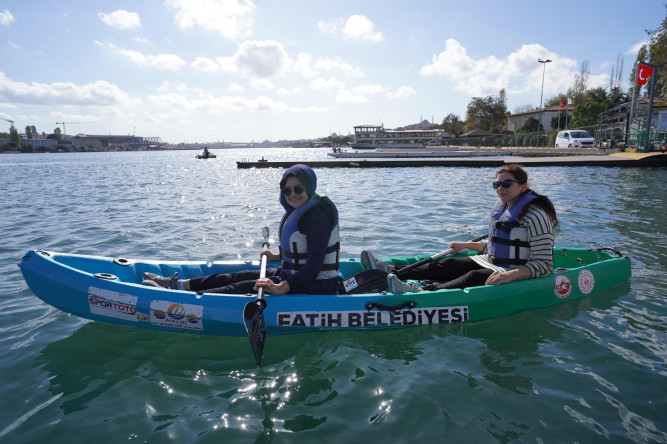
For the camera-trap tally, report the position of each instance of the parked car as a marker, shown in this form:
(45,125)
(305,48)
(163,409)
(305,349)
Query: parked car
(574,139)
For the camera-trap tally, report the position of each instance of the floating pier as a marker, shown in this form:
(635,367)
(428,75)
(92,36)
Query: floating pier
(611,160)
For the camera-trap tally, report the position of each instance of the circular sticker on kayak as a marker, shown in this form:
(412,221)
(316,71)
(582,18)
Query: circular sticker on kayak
(586,281)
(563,286)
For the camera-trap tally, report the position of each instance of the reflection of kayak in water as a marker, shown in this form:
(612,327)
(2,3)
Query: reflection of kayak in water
(110,290)
(203,156)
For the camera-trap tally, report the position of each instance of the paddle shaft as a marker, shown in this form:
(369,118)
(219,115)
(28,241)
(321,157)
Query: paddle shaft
(433,258)
(262,270)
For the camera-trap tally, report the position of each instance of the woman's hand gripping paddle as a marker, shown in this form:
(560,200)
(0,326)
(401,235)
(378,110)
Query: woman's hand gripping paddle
(433,258)
(253,313)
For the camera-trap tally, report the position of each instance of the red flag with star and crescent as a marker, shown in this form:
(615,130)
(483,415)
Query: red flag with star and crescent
(643,73)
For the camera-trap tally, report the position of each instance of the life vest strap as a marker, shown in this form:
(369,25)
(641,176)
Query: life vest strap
(510,242)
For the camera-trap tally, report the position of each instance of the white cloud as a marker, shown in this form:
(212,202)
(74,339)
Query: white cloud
(634,49)
(356,27)
(231,19)
(285,91)
(305,66)
(14,45)
(346,96)
(99,93)
(519,72)
(359,27)
(261,84)
(327,64)
(401,93)
(235,87)
(257,59)
(205,64)
(169,62)
(6,18)
(179,100)
(330,83)
(120,19)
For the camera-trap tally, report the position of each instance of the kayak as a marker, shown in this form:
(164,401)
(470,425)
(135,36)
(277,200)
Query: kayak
(202,156)
(109,290)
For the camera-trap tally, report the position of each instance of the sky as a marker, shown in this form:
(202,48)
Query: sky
(253,70)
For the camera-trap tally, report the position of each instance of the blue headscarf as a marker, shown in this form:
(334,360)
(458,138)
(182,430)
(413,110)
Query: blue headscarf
(306,176)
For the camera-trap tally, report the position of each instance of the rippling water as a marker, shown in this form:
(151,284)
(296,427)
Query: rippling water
(586,371)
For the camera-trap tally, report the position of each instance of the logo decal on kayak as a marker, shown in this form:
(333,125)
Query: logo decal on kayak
(176,315)
(112,304)
(346,319)
(563,286)
(586,281)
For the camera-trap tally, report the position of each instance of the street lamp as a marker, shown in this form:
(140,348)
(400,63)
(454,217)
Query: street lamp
(544,68)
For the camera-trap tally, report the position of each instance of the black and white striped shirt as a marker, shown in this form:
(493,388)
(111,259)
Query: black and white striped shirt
(541,237)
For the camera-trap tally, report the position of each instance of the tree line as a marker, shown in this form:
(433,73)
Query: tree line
(490,113)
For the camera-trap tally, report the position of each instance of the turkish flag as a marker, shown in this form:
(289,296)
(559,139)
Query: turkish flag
(643,73)
(561,104)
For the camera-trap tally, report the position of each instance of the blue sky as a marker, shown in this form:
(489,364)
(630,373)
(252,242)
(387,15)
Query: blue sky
(241,70)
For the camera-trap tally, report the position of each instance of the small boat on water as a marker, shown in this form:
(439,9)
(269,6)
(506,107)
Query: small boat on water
(109,290)
(206,154)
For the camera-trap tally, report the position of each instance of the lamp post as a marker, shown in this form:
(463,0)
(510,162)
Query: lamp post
(544,68)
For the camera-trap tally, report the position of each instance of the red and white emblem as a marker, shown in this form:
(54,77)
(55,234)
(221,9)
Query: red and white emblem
(562,286)
(586,281)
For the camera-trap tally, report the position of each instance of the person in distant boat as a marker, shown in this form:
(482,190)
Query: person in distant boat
(522,228)
(207,154)
(309,248)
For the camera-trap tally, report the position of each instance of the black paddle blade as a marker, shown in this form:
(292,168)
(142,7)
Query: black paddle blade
(253,318)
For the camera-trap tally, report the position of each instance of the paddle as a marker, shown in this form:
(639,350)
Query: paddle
(435,257)
(372,281)
(253,312)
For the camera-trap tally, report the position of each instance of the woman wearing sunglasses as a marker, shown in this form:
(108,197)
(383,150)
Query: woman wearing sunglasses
(309,247)
(522,227)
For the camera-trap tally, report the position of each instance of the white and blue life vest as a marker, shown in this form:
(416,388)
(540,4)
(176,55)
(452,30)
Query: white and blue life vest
(294,244)
(508,241)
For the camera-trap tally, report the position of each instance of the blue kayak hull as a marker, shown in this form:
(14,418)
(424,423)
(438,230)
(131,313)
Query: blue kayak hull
(109,290)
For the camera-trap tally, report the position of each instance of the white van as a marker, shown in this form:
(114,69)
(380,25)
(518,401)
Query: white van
(574,139)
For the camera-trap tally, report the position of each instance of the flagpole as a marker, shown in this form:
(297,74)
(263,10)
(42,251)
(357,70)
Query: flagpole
(632,105)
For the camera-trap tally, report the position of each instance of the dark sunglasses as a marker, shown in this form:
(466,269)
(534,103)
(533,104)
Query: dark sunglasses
(504,183)
(298,189)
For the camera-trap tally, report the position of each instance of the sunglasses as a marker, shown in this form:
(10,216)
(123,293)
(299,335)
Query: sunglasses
(298,189)
(504,183)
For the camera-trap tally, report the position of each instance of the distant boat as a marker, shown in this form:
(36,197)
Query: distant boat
(206,155)
(369,137)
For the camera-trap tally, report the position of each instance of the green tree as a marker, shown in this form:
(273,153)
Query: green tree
(453,124)
(531,126)
(15,138)
(488,113)
(30,131)
(657,49)
(58,134)
(588,110)
(554,120)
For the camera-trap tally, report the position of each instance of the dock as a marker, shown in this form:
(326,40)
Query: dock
(611,160)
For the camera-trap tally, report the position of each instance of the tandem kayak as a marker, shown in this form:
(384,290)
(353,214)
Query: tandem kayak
(108,289)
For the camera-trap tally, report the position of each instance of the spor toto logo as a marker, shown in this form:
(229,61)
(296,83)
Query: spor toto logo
(562,286)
